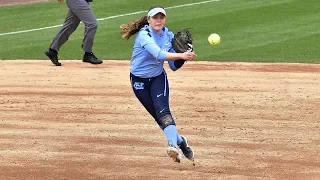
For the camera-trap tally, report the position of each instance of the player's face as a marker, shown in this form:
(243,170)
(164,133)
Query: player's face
(157,22)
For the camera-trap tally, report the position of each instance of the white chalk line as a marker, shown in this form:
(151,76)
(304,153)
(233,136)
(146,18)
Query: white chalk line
(110,17)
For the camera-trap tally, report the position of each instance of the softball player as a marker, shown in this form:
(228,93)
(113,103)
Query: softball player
(152,47)
(79,10)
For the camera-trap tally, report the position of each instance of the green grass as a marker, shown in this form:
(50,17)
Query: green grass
(250,30)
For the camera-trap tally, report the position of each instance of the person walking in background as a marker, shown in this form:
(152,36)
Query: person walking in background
(79,10)
(152,47)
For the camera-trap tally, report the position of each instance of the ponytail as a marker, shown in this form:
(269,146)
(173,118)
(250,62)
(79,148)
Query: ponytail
(127,30)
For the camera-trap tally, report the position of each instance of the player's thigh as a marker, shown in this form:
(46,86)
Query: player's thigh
(83,11)
(159,91)
(141,90)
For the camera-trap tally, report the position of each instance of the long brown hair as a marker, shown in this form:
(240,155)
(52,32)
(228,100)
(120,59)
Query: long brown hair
(127,30)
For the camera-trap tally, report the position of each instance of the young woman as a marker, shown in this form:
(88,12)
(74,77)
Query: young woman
(151,48)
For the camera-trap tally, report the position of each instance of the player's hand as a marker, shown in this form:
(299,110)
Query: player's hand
(188,55)
(61,1)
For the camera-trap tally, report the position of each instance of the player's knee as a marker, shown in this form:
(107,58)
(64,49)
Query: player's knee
(95,24)
(166,120)
(92,25)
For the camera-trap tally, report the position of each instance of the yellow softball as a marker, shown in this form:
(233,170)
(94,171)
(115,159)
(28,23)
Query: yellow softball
(214,39)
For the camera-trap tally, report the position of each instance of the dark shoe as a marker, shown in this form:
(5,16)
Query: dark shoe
(53,56)
(91,58)
(186,149)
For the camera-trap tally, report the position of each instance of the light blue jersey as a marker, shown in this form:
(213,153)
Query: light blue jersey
(149,52)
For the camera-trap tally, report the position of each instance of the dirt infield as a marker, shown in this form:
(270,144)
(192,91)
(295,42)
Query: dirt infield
(79,121)
(17,2)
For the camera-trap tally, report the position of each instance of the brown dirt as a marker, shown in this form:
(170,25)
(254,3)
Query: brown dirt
(17,2)
(79,121)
